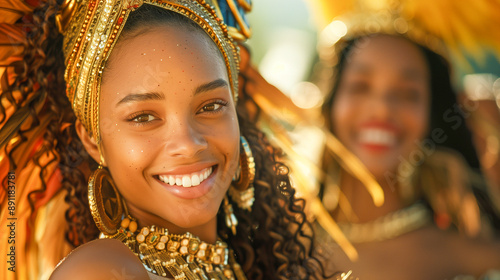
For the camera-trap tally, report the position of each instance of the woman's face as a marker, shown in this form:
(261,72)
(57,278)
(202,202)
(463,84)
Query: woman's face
(381,109)
(169,129)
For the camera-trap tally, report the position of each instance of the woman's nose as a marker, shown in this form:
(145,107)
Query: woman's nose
(184,139)
(381,105)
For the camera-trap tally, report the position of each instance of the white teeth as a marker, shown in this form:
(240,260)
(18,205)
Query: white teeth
(188,180)
(163,178)
(195,180)
(377,137)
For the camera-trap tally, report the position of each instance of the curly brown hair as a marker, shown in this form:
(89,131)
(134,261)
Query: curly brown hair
(273,241)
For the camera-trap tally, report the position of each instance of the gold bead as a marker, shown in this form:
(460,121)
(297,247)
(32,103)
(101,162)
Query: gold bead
(160,246)
(216,259)
(164,239)
(183,250)
(201,254)
(132,226)
(140,238)
(125,222)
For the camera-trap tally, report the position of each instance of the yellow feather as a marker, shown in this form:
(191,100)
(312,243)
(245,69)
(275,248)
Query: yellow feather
(465,28)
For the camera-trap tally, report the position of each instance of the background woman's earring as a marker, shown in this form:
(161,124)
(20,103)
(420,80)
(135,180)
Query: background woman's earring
(106,204)
(241,190)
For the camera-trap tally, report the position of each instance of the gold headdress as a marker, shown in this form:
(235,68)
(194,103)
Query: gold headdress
(444,26)
(92,30)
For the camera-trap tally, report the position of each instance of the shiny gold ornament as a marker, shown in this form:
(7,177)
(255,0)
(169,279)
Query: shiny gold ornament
(92,31)
(246,167)
(444,26)
(241,190)
(180,256)
(106,204)
(231,220)
(390,226)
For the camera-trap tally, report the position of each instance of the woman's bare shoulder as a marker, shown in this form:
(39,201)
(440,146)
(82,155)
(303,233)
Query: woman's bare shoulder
(101,259)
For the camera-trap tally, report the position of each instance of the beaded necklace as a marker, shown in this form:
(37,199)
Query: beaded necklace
(182,256)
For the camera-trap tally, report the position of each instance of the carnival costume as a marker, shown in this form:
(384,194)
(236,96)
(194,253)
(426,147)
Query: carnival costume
(441,189)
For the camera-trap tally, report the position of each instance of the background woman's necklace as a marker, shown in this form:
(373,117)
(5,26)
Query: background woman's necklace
(390,226)
(182,256)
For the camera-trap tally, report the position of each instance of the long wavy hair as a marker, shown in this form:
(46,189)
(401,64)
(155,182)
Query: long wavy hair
(445,114)
(273,241)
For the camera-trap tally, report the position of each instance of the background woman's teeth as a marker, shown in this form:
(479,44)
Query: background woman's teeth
(377,136)
(178,181)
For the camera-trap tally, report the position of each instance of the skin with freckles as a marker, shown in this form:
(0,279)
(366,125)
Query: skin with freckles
(166,110)
(381,109)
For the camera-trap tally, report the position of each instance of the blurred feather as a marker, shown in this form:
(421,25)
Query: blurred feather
(462,27)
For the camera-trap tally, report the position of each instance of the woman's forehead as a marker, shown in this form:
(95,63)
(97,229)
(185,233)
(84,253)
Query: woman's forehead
(392,53)
(163,61)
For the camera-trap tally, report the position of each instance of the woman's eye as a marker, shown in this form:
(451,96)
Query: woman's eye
(358,87)
(213,107)
(408,95)
(142,118)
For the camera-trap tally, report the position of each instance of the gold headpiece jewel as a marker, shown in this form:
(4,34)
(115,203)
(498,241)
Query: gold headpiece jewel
(446,27)
(92,30)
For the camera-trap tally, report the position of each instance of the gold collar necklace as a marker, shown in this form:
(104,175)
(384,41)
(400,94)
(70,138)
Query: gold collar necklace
(390,226)
(182,256)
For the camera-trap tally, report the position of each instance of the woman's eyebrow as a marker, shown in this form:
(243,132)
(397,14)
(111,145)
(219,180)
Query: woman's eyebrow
(359,68)
(413,74)
(211,86)
(136,97)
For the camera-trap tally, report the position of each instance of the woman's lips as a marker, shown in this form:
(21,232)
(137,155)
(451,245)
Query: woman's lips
(182,184)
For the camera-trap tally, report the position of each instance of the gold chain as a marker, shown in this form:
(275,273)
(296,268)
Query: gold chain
(390,226)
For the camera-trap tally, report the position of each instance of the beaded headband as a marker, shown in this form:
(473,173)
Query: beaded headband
(91,29)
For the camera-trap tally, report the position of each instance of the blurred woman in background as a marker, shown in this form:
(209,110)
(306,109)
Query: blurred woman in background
(392,105)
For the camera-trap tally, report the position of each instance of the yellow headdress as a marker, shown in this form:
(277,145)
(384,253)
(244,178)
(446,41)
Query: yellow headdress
(444,26)
(92,30)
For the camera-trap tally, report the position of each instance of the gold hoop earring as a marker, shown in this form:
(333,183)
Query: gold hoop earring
(106,204)
(241,190)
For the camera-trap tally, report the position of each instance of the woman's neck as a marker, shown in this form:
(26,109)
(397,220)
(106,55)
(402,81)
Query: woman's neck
(362,203)
(206,232)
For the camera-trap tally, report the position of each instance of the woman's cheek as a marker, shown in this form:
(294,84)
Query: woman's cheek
(340,115)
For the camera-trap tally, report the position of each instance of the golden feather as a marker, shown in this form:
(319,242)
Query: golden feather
(464,28)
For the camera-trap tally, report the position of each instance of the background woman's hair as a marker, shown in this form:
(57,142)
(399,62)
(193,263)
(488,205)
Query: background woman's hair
(274,241)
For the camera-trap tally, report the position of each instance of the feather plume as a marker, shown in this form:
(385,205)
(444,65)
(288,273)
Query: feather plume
(464,28)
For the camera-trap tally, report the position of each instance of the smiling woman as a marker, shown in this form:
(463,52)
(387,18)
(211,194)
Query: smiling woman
(182,185)
(180,124)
